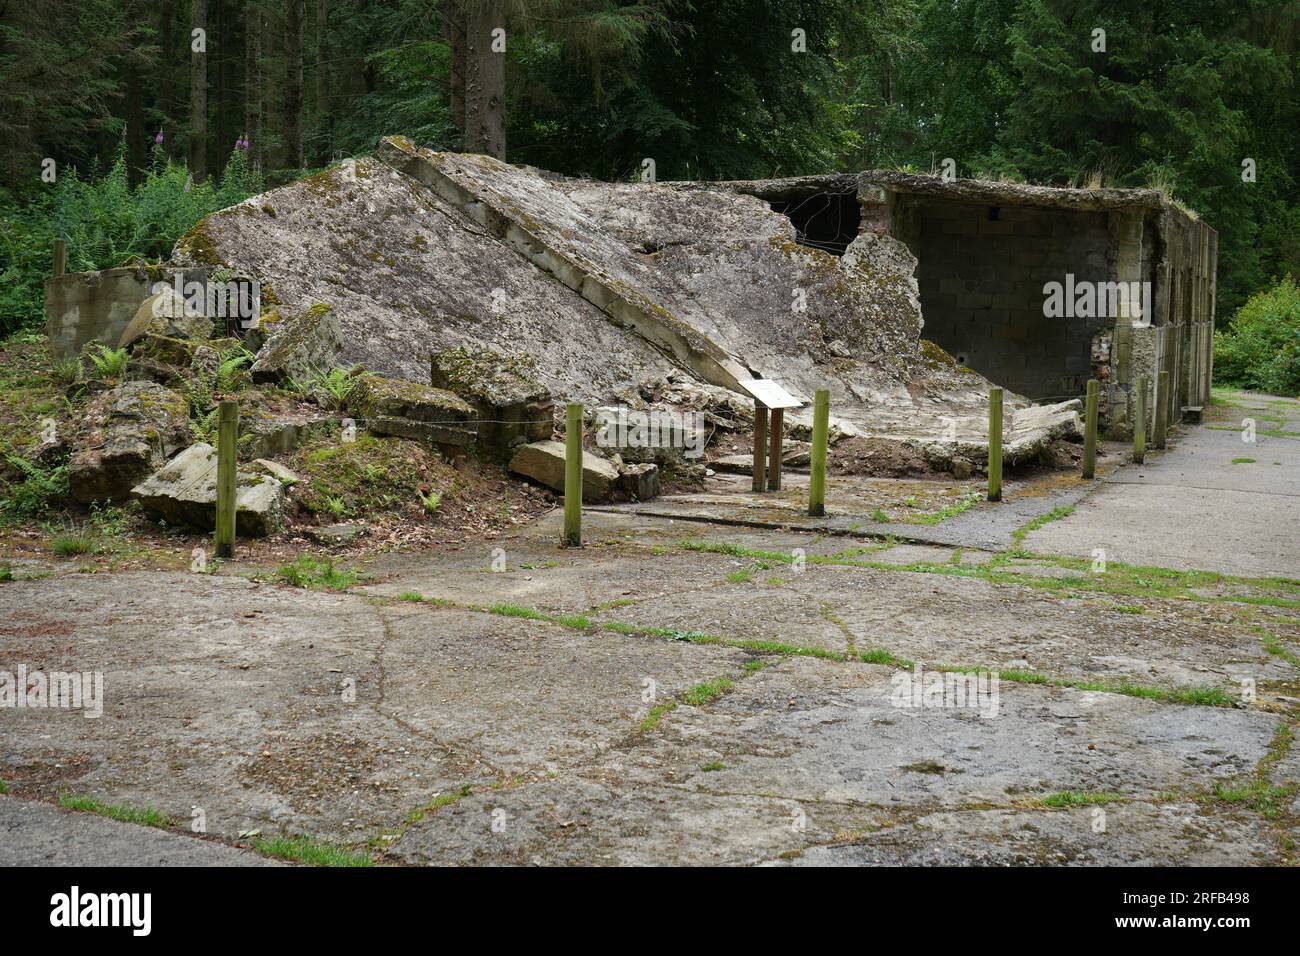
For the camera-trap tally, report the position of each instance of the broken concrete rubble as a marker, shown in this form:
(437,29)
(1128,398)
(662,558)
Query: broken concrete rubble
(300,346)
(639,480)
(410,410)
(693,284)
(126,432)
(543,461)
(166,313)
(513,404)
(184,492)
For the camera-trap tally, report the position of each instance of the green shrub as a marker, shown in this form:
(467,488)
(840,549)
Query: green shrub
(1260,349)
(105,223)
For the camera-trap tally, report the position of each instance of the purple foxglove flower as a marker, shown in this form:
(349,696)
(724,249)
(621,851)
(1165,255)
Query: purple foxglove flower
(159,138)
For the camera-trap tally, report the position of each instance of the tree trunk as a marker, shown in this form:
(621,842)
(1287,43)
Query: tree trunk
(135,134)
(166,74)
(455,32)
(220,61)
(322,111)
(198,94)
(253,82)
(485,82)
(295,13)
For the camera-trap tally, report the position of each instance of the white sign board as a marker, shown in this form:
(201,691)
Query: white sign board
(770,393)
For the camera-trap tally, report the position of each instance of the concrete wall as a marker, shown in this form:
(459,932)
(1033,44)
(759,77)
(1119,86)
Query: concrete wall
(981,282)
(81,307)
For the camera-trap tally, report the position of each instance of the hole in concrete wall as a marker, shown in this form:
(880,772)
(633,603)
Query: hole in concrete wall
(822,220)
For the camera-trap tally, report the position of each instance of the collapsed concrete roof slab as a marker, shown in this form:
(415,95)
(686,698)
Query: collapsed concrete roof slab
(606,285)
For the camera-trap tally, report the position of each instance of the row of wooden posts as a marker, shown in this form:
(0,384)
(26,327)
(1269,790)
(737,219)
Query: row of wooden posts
(1160,432)
(767,475)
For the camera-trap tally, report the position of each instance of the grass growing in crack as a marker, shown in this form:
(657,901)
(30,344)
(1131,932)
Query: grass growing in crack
(438,802)
(301,849)
(141,815)
(656,714)
(878,655)
(1077,798)
(741,576)
(4,787)
(1274,646)
(703,693)
(713,765)
(1018,536)
(1121,580)
(413,596)
(707,692)
(578,622)
(1265,797)
(962,505)
(310,571)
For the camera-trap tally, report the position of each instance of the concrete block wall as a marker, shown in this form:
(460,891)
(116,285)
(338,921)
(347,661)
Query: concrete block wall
(83,307)
(981,282)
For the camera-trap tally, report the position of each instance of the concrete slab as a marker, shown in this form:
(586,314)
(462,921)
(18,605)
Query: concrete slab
(37,834)
(1130,834)
(243,712)
(920,617)
(810,752)
(1192,508)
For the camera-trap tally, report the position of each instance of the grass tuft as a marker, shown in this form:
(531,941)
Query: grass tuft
(301,849)
(141,815)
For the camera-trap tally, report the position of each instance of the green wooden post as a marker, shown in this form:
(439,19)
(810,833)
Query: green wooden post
(573,476)
(820,439)
(60,257)
(995,444)
(1090,431)
(760,446)
(1140,421)
(1162,411)
(227,450)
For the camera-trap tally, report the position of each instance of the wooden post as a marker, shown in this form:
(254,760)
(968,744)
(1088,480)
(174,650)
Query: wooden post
(1090,431)
(60,257)
(776,430)
(760,445)
(573,476)
(995,444)
(1140,421)
(1162,411)
(820,439)
(227,451)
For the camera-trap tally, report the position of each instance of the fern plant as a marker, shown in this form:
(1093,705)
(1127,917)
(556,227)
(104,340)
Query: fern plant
(331,388)
(109,363)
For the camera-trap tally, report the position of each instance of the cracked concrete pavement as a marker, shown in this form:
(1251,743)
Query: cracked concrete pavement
(674,692)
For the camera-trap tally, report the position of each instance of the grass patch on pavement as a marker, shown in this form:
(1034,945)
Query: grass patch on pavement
(1077,798)
(301,849)
(144,816)
(309,571)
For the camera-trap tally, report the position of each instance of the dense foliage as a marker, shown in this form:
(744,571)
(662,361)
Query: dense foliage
(105,222)
(1260,349)
(1177,94)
